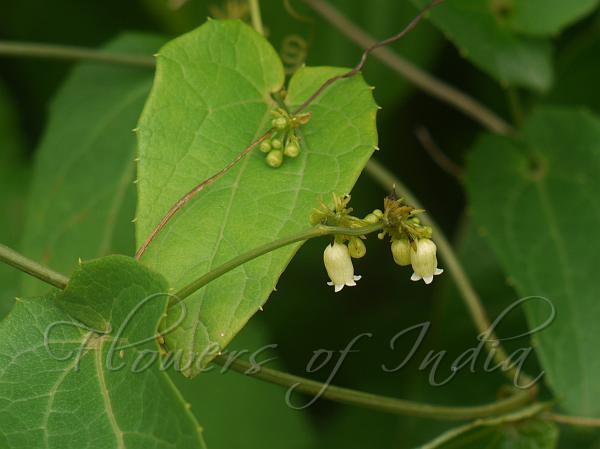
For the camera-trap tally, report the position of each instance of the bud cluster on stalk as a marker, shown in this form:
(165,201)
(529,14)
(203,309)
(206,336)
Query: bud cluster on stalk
(284,142)
(411,242)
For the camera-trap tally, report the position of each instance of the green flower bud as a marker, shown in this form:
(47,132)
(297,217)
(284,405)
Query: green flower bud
(401,251)
(265,147)
(291,150)
(274,158)
(371,219)
(276,143)
(279,123)
(377,213)
(424,261)
(357,248)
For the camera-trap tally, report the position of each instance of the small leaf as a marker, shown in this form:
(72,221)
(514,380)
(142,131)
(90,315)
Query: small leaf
(540,214)
(478,32)
(212,98)
(528,434)
(65,386)
(84,167)
(544,17)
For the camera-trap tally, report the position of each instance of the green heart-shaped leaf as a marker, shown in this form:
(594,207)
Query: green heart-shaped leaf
(211,98)
(64,385)
(541,214)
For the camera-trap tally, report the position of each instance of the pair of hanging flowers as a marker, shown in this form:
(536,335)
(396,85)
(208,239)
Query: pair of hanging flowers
(411,242)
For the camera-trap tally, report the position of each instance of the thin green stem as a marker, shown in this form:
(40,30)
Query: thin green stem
(35,50)
(576,421)
(372,401)
(13,258)
(256,16)
(317,231)
(420,78)
(454,267)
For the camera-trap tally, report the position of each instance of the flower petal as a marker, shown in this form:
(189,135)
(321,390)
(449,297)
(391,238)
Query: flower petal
(438,271)
(428,279)
(338,288)
(415,277)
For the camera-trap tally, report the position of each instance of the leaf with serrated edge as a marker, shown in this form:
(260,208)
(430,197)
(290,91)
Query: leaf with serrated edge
(211,98)
(540,216)
(78,391)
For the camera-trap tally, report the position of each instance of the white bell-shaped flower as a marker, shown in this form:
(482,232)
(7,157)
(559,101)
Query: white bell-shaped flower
(339,266)
(424,261)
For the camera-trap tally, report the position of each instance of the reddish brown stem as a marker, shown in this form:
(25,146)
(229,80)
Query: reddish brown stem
(188,196)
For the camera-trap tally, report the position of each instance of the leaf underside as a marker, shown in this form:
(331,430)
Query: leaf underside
(537,202)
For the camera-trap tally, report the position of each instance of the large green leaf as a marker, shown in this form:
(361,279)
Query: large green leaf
(84,166)
(538,202)
(481,36)
(211,98)
(62,385)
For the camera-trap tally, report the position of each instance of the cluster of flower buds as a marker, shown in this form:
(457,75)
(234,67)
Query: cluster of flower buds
(284,141)
(410,240)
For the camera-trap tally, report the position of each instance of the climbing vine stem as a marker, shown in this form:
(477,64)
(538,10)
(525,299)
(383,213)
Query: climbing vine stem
(310,233)
(372,401)
(13,258)
(256,16)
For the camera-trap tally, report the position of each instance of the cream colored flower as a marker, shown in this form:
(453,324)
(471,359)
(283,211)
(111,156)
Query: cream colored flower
(424,261)
(339,266)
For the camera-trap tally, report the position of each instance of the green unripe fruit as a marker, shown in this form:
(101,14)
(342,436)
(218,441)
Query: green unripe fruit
(265,147)
(276,143)
(292,150)
(274,158)
(357,248)
(279,123)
